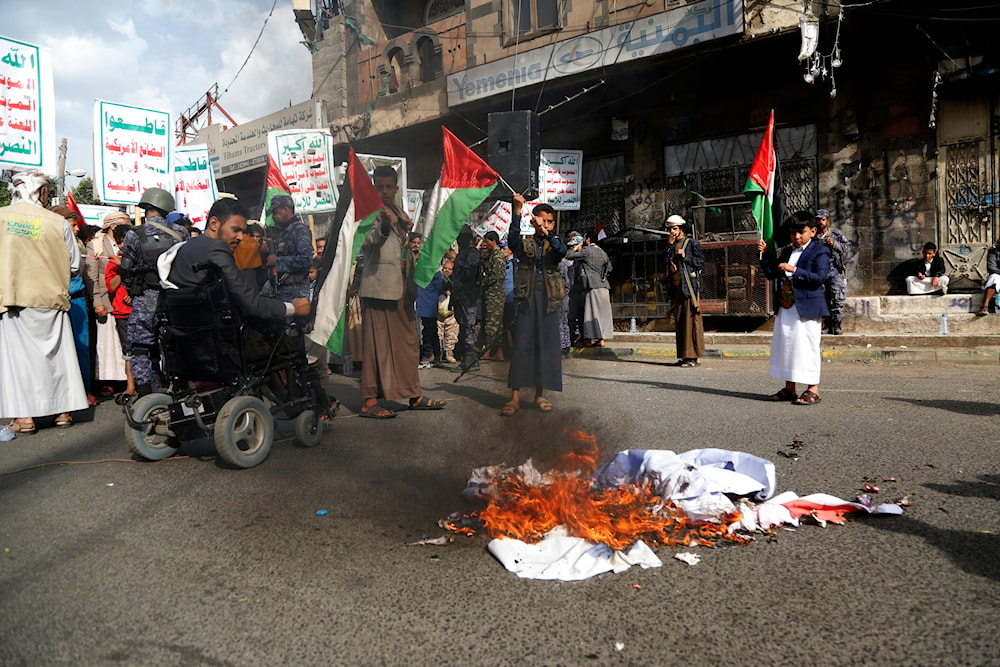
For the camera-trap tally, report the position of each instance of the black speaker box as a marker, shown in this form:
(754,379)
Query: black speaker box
(514,150)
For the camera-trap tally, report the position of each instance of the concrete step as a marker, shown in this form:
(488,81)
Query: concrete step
(918,315)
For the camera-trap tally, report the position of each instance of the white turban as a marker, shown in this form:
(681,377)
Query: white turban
(26,186)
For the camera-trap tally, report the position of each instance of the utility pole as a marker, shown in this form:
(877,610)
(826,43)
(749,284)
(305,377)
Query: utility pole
(61,179)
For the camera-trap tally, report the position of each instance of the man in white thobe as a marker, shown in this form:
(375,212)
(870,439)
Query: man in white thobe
(39,370)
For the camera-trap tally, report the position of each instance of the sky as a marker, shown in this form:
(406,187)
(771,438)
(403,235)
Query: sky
(161,54)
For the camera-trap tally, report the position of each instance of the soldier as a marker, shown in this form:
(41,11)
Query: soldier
(836,285)
(293,252)
(140,250)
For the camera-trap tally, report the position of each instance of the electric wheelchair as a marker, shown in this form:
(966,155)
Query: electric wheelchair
(227,377)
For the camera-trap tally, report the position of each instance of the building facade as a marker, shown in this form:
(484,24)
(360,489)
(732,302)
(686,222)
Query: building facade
(891,123)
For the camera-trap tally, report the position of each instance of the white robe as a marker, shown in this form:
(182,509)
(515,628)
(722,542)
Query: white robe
(795,346)
(39,371)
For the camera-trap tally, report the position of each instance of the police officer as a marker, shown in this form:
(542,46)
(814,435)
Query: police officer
(140,250)
(293,251)
(836,284)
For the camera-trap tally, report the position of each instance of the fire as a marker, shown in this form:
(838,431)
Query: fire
(617,516)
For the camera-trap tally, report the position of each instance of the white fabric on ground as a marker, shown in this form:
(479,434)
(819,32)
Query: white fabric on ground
(566,558)
(795,353)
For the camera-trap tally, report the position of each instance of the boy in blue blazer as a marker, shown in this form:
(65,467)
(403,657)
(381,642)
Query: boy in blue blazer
(799,273)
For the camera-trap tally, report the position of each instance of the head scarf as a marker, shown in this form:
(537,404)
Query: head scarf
(115,217)
(26,186)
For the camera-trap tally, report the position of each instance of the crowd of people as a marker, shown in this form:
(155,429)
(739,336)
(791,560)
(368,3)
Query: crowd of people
(88,315)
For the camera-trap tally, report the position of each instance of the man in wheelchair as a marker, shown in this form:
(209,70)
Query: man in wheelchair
(226,351)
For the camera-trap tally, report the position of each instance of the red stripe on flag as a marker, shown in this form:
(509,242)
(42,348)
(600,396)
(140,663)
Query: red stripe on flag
(762,170)
(462,168)
(366,197)
(274,177)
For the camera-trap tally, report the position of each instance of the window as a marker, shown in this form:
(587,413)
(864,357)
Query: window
(395,78)
(430,59)
(439,9)
(530,16)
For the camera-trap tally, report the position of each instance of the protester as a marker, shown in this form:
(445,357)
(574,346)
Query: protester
(427,311)
(927,274)
(39,370)
(292,253)
(494,273)
(508,305)
(320,247)
(800,271)
(836,284)
(993,279)
(121,306)
(447,324)
(140,251)
(251,254)
(571,313)
(109,361)
(391,350)
(79,310)
(466,297)
(594,269)
(538,290)
(685,260)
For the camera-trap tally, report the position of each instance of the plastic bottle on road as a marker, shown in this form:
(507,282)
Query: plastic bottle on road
(631,326)
(6,433)
(944,324)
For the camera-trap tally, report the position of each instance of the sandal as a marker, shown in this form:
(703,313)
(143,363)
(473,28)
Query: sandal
(982,312)
(376,412)
(509,409)
(64,421)
(785,394)
(543,404)
(424,403)
(807,398)
(21,428)
(689,363)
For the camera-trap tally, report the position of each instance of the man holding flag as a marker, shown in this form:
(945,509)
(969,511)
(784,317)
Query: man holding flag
(389,330)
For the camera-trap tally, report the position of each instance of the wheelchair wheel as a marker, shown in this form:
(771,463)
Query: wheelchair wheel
(155,441)
(244,431)
(308,428)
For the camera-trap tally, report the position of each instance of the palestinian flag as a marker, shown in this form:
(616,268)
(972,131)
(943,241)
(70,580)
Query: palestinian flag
(357,208)
(466,181)
(765,190)
(275,186)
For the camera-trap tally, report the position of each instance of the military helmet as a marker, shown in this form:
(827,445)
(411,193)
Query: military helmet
(157,198)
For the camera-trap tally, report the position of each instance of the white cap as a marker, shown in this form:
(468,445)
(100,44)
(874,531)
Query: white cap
(676,221)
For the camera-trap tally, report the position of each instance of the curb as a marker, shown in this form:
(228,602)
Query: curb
(665,353)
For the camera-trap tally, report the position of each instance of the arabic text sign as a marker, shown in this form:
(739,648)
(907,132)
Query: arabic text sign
(559,179)
(132,152)
(305,159)
(646,37)
(244,147)
(27,107)
(194,182)
(498,220)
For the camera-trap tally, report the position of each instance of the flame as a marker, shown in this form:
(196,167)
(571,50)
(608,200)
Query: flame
(616,516)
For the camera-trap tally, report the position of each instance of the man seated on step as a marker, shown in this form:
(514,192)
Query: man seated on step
(927,274)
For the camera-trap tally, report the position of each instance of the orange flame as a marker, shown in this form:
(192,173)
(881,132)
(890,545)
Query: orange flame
(617,516)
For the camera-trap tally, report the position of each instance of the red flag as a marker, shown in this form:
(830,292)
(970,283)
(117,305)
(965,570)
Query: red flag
(274,177)
(71,205)
(601,234)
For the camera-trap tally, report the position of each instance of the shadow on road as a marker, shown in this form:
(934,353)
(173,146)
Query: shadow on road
(678,387)
(985,409)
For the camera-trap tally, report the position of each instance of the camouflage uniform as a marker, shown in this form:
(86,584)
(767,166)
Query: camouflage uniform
(836,283)
(494,272)
(294,253)
(141,278)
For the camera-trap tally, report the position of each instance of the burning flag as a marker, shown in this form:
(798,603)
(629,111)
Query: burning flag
(357,208)
(275,186)
(765,189)
(466,181)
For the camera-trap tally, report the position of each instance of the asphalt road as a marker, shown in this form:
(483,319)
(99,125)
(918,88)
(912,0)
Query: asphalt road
(186,562)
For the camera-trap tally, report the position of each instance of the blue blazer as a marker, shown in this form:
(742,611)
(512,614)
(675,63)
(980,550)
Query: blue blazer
(807,282)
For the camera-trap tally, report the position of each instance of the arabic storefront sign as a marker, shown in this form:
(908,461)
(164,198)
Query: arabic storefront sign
(27,107)
(559,179)
(653,35)
(131,152)
(244,147)
(305,159)
(194,182)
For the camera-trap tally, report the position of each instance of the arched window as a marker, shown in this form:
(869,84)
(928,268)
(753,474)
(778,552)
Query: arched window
(395,71)
(438,9)
(430,59)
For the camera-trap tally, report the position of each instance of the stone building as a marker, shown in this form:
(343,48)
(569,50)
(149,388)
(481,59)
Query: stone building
(891,124)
